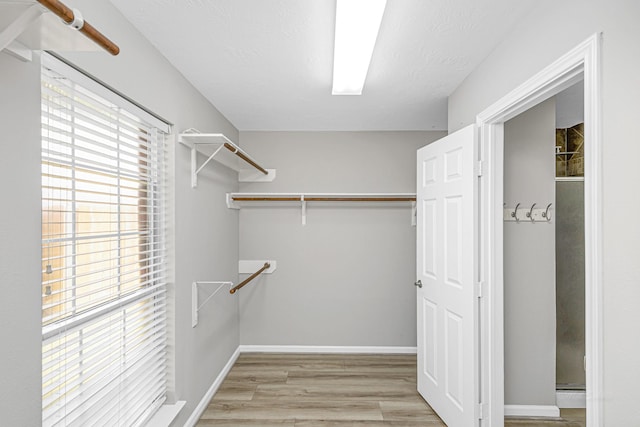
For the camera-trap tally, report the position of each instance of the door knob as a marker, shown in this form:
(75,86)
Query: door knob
(418,283)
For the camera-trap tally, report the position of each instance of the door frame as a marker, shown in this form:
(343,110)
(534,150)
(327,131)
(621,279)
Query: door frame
(582,62)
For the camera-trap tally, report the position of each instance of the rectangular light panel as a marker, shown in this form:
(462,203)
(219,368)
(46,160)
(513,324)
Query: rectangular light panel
(357,25)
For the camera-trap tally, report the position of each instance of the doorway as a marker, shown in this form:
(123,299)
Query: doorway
(569,248)
(543,261)
(529,263)
(583,62)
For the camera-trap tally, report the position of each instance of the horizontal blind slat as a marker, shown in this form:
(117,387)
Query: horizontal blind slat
(101,296)
(112,407)
(66,100)
(112,371)
(67,125)
(80,319)
(108,371)
(96,352)
(90,398)
(152,307)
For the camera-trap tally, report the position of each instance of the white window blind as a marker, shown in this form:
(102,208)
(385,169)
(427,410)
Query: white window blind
(103,254)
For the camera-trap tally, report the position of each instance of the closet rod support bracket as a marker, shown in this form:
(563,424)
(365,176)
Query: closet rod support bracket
(195,307)
(231,204)
(251,175)
(303,213)
(195,170)
(13,30)
(249,266)
(414,214)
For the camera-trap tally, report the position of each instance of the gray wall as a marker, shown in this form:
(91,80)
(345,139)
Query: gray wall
(206,243)
(570,347)
(529,260)
(552,29)
(346,278)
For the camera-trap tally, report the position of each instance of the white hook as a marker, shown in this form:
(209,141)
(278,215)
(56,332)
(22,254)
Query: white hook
(530,213)
(545,214)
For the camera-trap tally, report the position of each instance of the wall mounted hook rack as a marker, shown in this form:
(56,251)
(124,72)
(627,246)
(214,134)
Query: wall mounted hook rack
(527,214)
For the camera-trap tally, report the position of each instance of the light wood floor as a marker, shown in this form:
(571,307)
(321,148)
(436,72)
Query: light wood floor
(326,390)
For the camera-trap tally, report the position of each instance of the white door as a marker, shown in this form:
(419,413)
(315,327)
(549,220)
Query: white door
(447,272)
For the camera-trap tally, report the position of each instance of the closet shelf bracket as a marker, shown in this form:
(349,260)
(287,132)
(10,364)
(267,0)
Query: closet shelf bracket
(216,146)
(35,25)
(414,213)
(195,306)
(21,22)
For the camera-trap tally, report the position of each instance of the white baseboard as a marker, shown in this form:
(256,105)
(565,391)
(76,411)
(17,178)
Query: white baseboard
(571,398)
(202,406)
(550,411)
(326,349)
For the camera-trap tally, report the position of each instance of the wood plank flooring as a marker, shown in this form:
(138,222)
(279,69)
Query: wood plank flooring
(325,390)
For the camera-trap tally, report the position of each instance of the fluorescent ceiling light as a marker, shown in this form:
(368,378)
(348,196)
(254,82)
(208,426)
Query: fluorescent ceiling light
(357,25)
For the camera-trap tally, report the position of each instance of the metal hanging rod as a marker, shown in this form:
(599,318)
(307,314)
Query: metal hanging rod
(250,278)
(236,150)
(74,19)
(322,199)
(234,200)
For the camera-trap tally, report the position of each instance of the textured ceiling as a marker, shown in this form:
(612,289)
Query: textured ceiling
(267,64)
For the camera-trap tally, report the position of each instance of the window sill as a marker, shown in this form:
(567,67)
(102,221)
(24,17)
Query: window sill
(166,414)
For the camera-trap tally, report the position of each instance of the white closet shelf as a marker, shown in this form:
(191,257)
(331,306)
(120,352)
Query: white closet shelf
(239,200)
(319,197)
(216,146)
(26,25)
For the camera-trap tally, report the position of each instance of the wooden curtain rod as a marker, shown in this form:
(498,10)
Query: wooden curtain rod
(238,153)
(67,15)
(250,278)
(322,199)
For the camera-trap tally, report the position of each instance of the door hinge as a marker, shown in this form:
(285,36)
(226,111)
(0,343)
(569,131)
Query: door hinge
(479,290)
(480,168)
(482,409)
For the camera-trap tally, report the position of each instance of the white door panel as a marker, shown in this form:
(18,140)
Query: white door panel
(447,269)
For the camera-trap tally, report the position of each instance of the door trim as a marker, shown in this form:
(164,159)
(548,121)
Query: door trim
(583,62)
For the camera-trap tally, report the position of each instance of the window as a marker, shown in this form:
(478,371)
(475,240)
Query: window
(103,254)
